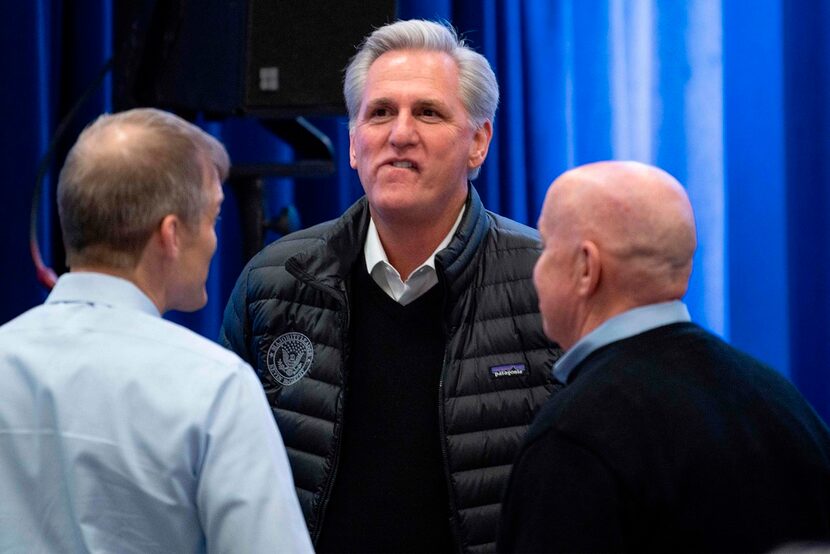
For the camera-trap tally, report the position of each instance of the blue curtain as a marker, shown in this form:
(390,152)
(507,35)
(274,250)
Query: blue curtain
(730,96)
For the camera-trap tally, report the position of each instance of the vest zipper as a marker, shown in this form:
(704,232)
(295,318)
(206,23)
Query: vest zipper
(292,267)
(456,533)
(335,462)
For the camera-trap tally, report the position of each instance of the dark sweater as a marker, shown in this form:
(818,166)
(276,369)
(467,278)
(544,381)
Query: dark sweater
(670,441)
(390,494)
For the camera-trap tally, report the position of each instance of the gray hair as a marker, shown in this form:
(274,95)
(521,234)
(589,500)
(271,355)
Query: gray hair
(125,173)
(477,83)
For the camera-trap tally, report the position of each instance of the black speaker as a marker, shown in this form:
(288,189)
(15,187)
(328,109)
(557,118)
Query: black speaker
(266,58)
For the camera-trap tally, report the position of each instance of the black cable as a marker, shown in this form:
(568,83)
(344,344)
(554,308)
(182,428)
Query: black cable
(45,274)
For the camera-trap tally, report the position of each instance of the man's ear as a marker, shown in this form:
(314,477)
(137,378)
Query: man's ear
(480,145)
(590,268)
(168,236)
(352,153)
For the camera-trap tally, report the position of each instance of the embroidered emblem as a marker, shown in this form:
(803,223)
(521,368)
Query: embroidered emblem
(289,358)
(507,370)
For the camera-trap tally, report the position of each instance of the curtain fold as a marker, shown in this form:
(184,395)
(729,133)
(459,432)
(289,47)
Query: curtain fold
(729,96)
(806,85)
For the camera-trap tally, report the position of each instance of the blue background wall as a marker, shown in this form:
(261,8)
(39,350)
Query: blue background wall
(731,96)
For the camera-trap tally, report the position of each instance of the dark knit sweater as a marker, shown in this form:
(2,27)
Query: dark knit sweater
(670,441)
(391,493)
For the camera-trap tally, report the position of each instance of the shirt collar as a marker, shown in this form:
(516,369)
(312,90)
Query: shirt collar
(621,326)
(99,288)
(375,254)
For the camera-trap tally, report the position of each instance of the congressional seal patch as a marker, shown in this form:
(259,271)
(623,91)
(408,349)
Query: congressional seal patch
(289,358)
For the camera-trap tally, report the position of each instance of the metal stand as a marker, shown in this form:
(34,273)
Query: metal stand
(314,157)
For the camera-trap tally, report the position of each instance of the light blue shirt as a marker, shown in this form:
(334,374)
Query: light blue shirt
(123,432)
(621,326)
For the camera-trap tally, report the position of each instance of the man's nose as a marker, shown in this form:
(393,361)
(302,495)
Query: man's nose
(404,131)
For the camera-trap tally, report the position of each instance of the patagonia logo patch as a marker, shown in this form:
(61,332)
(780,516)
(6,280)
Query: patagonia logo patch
(508,370)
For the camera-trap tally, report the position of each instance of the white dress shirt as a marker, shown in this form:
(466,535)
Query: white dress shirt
(123,432)
(387,277)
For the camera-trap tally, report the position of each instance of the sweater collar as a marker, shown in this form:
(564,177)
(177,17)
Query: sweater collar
(621,326)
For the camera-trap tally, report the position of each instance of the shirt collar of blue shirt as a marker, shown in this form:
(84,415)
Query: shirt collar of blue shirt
(99,288)
(621,326)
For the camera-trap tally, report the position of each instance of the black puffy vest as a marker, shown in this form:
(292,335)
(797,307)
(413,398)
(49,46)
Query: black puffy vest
(497,360)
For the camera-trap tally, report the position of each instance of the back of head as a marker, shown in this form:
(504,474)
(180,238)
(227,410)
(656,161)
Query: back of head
(640,219)
(125,173)
(477,82)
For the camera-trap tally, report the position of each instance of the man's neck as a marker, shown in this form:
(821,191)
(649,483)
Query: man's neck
(137,276)
(408,245)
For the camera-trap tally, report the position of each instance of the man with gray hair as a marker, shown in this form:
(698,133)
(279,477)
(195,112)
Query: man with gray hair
(120,431)
(664,437)
(400,346)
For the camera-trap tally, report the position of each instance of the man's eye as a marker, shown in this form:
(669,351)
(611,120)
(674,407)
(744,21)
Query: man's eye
(380,112)
(430,115)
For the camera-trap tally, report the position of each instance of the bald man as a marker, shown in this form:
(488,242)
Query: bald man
(664,438)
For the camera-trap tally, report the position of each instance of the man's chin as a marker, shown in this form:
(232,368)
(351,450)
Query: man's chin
(396,205)
(191,304)
(548,333)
